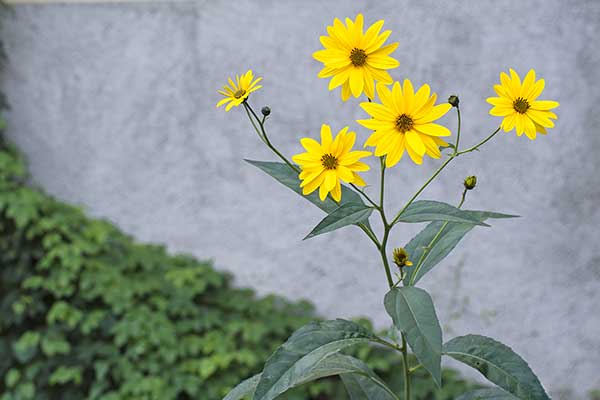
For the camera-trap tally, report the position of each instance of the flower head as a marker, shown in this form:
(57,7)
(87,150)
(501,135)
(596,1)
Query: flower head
(355,59)
(404,120)
(518,104)
(400,256)
(325,164)
(237,92)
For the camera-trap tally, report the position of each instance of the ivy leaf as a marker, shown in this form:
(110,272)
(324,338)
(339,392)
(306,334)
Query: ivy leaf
(498,363)
(293,360)
(413,313)
(346,214)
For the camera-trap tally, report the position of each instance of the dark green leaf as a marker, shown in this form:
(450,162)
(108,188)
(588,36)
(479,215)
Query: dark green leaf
(445,242)
(346,214)
(361,387)
(487,394)
(288,177)
(245,388)
(429,210)
(294,360)
(498,363)
(413,313)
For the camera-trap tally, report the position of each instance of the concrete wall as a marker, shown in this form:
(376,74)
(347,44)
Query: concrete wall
(114,106)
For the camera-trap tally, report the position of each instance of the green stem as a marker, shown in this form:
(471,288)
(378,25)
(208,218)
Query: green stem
(406,369)
(386,227)
(266,138)
(476,147)
(366,196)
(458,131)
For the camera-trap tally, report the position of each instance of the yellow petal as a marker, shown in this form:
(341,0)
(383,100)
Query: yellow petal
(326,137)
(346,91)
(436,112)
(544,105)
(357,81)
(378,111)
(382,62)
(413,140)
(336,192)
(409,96)
(433,129)
(311,145)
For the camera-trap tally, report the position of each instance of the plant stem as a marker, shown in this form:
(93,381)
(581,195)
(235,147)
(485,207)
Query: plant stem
(386,226)
(476,147)
(266,138)
(406,368)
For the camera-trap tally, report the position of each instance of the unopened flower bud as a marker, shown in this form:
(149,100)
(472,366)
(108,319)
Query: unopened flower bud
(470,182)
(265,111)
(453,100)
(401,258)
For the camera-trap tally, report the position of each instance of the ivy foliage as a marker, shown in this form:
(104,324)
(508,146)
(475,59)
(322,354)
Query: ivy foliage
(88,313)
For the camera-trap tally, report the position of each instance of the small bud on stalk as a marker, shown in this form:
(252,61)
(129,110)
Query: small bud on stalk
(470,182)
(401,258)
(453,100)
(265,111)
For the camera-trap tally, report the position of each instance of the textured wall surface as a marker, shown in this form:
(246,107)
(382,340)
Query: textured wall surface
(115,107)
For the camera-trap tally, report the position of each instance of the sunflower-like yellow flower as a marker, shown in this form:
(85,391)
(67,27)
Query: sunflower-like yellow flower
(404,120)
(237,92)
(518,104)
(324,165)
(356,59)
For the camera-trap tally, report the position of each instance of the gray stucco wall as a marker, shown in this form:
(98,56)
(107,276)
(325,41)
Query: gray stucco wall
(114,107)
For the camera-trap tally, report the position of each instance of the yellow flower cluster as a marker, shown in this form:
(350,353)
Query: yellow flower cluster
(401,120)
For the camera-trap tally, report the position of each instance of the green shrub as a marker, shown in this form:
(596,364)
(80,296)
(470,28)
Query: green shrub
(87,313)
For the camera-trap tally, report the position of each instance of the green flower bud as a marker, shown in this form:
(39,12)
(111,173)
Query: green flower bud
(401,257)
(453,100)
(265,111)
(470,182)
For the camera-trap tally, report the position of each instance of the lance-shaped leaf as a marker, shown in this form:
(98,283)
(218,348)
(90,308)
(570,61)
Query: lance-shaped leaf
(346,214)
(498,363)
(413,313)
(245,388)
(446,235)
(285,175)
(334,364)
(308,346)
(487,394)
(429,210)
(361,387)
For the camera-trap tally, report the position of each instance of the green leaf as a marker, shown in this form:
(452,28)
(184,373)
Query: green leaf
(361,387)
(413,313)
(498,363)
(285,175)
(487,394)
(446,240)
(334,364)
(245,388)
(310,344)
(429,210)
(346,214)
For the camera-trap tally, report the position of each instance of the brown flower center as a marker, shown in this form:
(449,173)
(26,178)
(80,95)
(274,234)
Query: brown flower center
(329,161)
(521,105)
(404,123)
(239,93)
(358,57)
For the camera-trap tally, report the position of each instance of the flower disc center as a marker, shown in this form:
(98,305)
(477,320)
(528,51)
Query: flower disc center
(329,161)
(239,93)
(521,105)
(358,57)
(404,123)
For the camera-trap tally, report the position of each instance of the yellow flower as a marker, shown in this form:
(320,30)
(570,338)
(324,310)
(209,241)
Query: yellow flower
(355,59)
(518,104)
(325,164)
(404,120)
(237,92)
